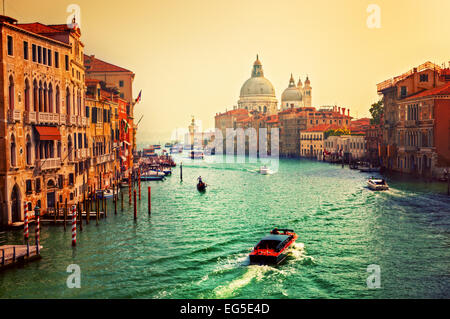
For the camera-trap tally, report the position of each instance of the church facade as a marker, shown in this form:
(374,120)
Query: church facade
(258,94)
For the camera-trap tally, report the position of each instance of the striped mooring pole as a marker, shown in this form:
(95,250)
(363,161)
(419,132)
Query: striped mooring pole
(25,223)
(74,226)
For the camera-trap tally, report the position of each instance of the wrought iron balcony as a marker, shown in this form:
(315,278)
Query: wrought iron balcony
(49,163)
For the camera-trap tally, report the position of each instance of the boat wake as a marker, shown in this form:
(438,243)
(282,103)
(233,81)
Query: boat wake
(297,254)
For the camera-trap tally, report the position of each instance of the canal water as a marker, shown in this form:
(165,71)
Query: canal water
(196,245)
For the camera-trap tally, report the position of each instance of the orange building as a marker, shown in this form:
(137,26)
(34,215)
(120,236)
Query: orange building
(416,121)
(42,118)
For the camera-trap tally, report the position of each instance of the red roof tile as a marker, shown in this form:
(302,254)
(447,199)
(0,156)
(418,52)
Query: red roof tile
(93,64)
(442,90)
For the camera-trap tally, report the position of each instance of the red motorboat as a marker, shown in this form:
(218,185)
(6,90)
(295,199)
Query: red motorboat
(273,249)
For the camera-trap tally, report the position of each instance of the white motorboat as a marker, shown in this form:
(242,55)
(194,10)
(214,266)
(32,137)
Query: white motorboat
(377,184)
(264,170)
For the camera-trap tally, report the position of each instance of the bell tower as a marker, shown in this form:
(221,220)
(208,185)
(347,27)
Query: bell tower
(307,89)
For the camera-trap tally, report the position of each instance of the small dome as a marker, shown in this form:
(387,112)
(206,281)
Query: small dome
(291,94)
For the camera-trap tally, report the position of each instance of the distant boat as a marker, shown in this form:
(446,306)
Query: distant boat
(168,145)
(368,169)
(195,154)
(107,193)
(148,152)
(157,147)
(201,186)
(264,170)
(377,184)
(152,176)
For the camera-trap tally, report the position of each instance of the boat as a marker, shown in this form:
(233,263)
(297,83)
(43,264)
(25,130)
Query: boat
(167,172)
(107,193)
(148,152)
(157,146)
(273,248)
(201,186)
(377,184)
(368,168)
(195,154)
(124,183)
(264,170)
(152,176)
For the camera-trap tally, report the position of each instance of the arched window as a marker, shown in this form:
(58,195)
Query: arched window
(29,150)
(40,97)
(57,100)
(35,96)
(50,98)
(45,98)
(27,95)
(68,101)
(69,147)
(11,93)
(58,150)
(13,151)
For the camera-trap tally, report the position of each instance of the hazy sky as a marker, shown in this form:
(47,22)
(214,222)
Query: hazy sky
(191,57)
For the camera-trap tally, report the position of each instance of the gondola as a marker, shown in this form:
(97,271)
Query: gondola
(201,186)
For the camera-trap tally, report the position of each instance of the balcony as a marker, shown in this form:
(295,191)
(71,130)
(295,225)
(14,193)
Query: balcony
(84,121)
(30,117)
(14,116)
(71,120)
(49,163)
(410,123)
(48,118)
(62,119)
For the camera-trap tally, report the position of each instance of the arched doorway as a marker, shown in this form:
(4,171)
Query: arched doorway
(15,204)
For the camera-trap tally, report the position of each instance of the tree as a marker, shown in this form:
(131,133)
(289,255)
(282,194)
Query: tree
(376,110)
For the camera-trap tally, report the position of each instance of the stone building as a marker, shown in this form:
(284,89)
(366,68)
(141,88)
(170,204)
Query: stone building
(416,121)
(43,125)
(296,95)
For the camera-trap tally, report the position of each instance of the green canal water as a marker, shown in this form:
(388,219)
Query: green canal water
(196,245)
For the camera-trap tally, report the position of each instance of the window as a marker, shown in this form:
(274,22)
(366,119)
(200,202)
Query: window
(38,185)
(71,179)
(49,57)
(34,52)
(121,84)
(39,54)
(10,45)
(67,62)
(44,56)
(61,183)
(403,91)
(87,111)
(29,187)
(122,95)
(56,59)
(424,78)
(25,50)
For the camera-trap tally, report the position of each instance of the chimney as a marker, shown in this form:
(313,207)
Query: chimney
(339,110)
(343,111)
(348,112)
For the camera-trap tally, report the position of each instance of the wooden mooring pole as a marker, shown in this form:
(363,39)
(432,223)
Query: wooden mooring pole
(149,200)
(135,209)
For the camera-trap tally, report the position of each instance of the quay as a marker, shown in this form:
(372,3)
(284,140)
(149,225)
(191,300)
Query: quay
(14,255)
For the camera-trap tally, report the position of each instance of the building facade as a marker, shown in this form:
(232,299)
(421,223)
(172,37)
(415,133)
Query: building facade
(43,128)
(416,121)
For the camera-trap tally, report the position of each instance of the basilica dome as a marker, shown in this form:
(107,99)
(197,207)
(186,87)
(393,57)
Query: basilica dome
(257,93)
(257,86)
(292,93)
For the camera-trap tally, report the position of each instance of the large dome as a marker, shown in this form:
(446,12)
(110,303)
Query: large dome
(257,86)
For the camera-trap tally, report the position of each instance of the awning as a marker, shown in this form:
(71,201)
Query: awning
(48,133)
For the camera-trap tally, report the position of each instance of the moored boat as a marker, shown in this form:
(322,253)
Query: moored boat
(273,249)
(377,184)
(107,193)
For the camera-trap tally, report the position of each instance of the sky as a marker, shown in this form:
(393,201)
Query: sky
(191,57)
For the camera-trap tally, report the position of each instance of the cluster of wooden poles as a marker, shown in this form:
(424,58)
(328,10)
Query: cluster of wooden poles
(88,204)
